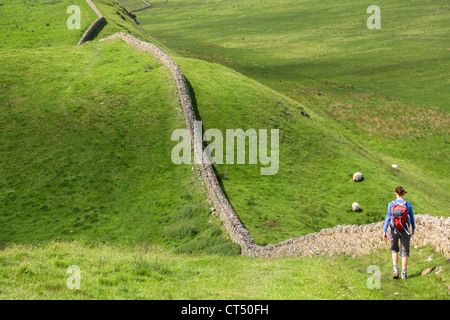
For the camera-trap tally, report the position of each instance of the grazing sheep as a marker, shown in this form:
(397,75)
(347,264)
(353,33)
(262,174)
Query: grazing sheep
(357,176)
(355,206)
(395,167)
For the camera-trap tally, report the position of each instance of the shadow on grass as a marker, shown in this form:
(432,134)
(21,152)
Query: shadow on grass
(198,118)
(99,29)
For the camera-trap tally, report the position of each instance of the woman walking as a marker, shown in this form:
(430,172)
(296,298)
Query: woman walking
(399,217)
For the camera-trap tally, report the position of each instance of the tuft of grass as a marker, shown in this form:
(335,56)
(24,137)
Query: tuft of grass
(196,236)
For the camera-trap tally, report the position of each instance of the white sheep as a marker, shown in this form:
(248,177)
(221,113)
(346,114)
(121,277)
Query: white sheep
(395,167)
(357,176)
(355,206)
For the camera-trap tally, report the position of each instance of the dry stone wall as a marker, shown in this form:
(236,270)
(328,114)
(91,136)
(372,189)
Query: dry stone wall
(94,26)
(233,225)
(148,5)
(346,239)
(357,240)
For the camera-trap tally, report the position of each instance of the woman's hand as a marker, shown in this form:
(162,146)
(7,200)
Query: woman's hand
(385,237)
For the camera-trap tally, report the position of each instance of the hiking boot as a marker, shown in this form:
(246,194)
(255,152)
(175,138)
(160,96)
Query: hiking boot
(395,276)
(404,274)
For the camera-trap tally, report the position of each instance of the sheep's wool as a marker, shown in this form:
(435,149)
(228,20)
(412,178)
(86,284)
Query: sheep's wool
(357,176)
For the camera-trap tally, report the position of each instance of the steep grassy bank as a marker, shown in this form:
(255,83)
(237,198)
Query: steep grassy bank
(84,140)
(85,148)
(126,148)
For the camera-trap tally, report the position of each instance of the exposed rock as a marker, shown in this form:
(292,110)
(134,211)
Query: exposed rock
(427,271)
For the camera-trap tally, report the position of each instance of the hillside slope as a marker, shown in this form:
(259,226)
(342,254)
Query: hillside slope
(312,189)
(287,43)
(84,148)
(85,145)
(367,114)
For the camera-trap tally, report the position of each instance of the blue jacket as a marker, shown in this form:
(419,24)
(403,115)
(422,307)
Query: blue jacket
(410,214)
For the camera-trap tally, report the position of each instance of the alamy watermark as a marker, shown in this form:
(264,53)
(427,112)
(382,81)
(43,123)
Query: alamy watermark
(374,21)
(374,281)
(74,281)
(235,153)
(74,21)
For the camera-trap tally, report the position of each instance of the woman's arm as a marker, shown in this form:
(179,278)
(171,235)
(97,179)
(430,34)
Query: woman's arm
(411,217)
(387,221)
(388,217)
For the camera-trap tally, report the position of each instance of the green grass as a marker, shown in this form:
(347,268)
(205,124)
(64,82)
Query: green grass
(376,97)
(307,48)
(41,23)
(86,177)
(85,150)
(133,4)
(151,272)
(285,42)
(313,188)
(88,165)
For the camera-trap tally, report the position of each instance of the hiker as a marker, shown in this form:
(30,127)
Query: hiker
(399,217)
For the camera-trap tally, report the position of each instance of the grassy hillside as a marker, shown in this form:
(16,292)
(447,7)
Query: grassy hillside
(85,147)
(286,43)
(40,24)
(322,55)
(86,177)
(377,97)
(318,156)
(313,188)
